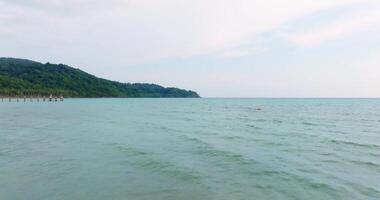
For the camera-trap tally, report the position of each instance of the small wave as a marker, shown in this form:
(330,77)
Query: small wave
(193,140)
(248,108)
(223,156)
(204,148)
(370,120)
(268,173)
(336,131)
(355,144)
(366,163)
(365,190)
(253,126)
(232,137)
(168,129)
(273,144)
(309,124)
(243,118)
(307,183)
(165,128)
(276,121)
(374,154)
(146,162)
(329,161)
(327,154)
(169,169)
(259,120)
(320,186)
(130,151)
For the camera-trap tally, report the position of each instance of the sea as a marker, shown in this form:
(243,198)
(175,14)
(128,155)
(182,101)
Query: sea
(190,149)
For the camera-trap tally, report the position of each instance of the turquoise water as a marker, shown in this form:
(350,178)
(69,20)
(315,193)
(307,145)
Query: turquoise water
(190,149)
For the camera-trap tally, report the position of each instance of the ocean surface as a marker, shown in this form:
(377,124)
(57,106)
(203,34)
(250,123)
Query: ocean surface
(190,149)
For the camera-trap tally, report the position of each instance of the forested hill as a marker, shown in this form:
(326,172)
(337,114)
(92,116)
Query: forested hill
(19,76)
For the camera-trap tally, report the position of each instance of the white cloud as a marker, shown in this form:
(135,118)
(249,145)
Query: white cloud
(339,28)
(235,53)
(138,31)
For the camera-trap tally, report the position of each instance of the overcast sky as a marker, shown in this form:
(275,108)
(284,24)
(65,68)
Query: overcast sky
(219,48)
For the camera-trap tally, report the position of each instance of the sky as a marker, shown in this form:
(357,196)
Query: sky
(219,48)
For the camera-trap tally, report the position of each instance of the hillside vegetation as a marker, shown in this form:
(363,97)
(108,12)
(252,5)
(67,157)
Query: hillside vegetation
(20,77)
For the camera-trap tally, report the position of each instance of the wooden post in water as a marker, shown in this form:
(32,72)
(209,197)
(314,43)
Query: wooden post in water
(50,97)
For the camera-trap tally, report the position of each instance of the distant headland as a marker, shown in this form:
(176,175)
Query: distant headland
(20,77)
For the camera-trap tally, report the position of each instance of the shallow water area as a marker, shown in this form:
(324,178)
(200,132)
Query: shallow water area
(316,149)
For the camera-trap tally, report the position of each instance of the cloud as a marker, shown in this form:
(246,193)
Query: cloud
(235,53)
(138,31)
(63,7)
(354,23)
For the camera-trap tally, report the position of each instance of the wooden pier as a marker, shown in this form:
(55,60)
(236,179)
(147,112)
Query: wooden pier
(31,98)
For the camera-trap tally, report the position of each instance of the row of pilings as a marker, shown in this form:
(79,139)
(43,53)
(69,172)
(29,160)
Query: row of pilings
(31,98)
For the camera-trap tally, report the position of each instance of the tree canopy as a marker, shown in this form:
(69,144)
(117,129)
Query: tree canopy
(26,77)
